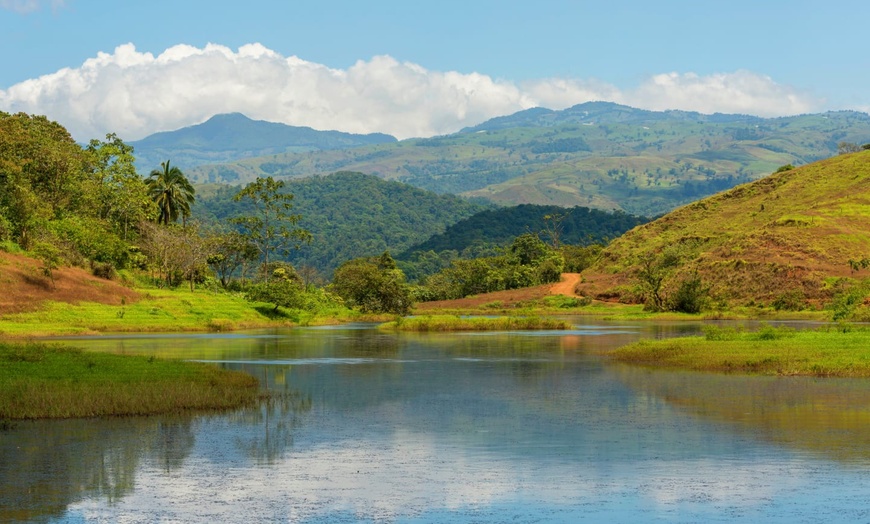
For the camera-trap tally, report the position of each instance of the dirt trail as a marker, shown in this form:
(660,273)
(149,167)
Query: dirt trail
(567,285)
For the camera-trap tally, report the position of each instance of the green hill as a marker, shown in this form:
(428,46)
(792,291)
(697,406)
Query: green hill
(351,215)
(599,155)
(783,240)
(578,225)
(230,137)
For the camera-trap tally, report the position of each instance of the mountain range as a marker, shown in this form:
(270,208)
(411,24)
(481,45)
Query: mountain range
(598,154)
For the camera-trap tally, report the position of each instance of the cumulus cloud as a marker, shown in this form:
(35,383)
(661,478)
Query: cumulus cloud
(135,93)
(28,6)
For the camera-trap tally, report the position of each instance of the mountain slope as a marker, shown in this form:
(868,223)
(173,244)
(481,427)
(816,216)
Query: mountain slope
(782,237)
(599,155)
(230,137)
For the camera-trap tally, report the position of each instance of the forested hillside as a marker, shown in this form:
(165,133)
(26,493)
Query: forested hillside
(577,225)
(352,215)
(599,155)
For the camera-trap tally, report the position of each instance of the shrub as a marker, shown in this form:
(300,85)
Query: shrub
(690,296)
(104,270)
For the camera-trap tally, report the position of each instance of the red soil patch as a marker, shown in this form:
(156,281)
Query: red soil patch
(23,287)
(508,299)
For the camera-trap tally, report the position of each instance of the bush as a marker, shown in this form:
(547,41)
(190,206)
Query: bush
(104,270)
(690,296)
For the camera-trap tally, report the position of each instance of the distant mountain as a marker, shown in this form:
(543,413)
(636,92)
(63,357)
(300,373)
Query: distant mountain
(592,113)
(231,137)
(599,155)
(784,240)
(352,215)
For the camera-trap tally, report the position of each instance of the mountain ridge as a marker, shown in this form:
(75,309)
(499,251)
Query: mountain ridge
(234,136)
(638,161)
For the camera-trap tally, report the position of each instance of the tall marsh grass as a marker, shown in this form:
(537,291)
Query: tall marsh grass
(47,381)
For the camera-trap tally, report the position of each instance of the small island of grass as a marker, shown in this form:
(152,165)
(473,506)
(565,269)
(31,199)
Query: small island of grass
(456,323)
(827,352)
(49,381)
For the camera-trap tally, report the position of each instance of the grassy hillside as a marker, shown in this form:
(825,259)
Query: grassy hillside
(784,239)
(599,155)
(352,215)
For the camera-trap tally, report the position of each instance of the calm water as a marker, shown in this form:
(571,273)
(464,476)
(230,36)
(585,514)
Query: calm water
(509,427)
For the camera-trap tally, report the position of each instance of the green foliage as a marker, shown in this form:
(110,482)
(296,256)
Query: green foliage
(578,225)
(351,215)
(171,192)
(578,258)
(374,285)
(50,257)
(691,296)
(268,227)
(848,298)
(781,169)
(528,261)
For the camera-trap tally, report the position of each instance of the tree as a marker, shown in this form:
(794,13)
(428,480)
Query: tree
(229,252)
(652,273)
(847,147)
(171,192)
(123,196)
(268,228)
(374,285)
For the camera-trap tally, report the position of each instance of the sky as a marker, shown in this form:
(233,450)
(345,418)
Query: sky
(414,69)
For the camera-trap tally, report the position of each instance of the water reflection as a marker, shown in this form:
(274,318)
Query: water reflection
(447,427)
(829,417)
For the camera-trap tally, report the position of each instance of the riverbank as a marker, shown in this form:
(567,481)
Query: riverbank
(48,381)
(836,351)
(163,310)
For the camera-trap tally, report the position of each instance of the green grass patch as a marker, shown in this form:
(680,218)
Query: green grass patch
(163,310)
(48,381)
(456,323)
(829,352)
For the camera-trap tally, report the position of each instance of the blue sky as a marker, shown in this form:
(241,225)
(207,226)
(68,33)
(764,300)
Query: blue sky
(422,68)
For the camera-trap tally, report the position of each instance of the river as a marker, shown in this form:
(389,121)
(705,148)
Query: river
(486,427)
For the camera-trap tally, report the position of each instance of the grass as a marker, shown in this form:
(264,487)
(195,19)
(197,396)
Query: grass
(827,352)
(47,381)
(455,323)
(162,310)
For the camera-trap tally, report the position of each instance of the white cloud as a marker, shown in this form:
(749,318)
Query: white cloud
(28,6)
(738,92)
(136,94)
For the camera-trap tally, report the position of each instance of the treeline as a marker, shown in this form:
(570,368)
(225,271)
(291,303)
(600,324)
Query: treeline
(68,203)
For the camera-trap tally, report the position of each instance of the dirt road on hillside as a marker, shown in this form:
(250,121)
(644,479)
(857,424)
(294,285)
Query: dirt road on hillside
(567,285)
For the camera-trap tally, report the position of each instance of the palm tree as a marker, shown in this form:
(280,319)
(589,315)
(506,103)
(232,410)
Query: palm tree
(172,193)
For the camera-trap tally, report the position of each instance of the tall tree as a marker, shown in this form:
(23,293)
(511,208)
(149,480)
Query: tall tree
(272,228)
(172,193)
(123,197)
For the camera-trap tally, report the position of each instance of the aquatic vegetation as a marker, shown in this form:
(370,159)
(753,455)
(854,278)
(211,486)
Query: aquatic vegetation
(50,381)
